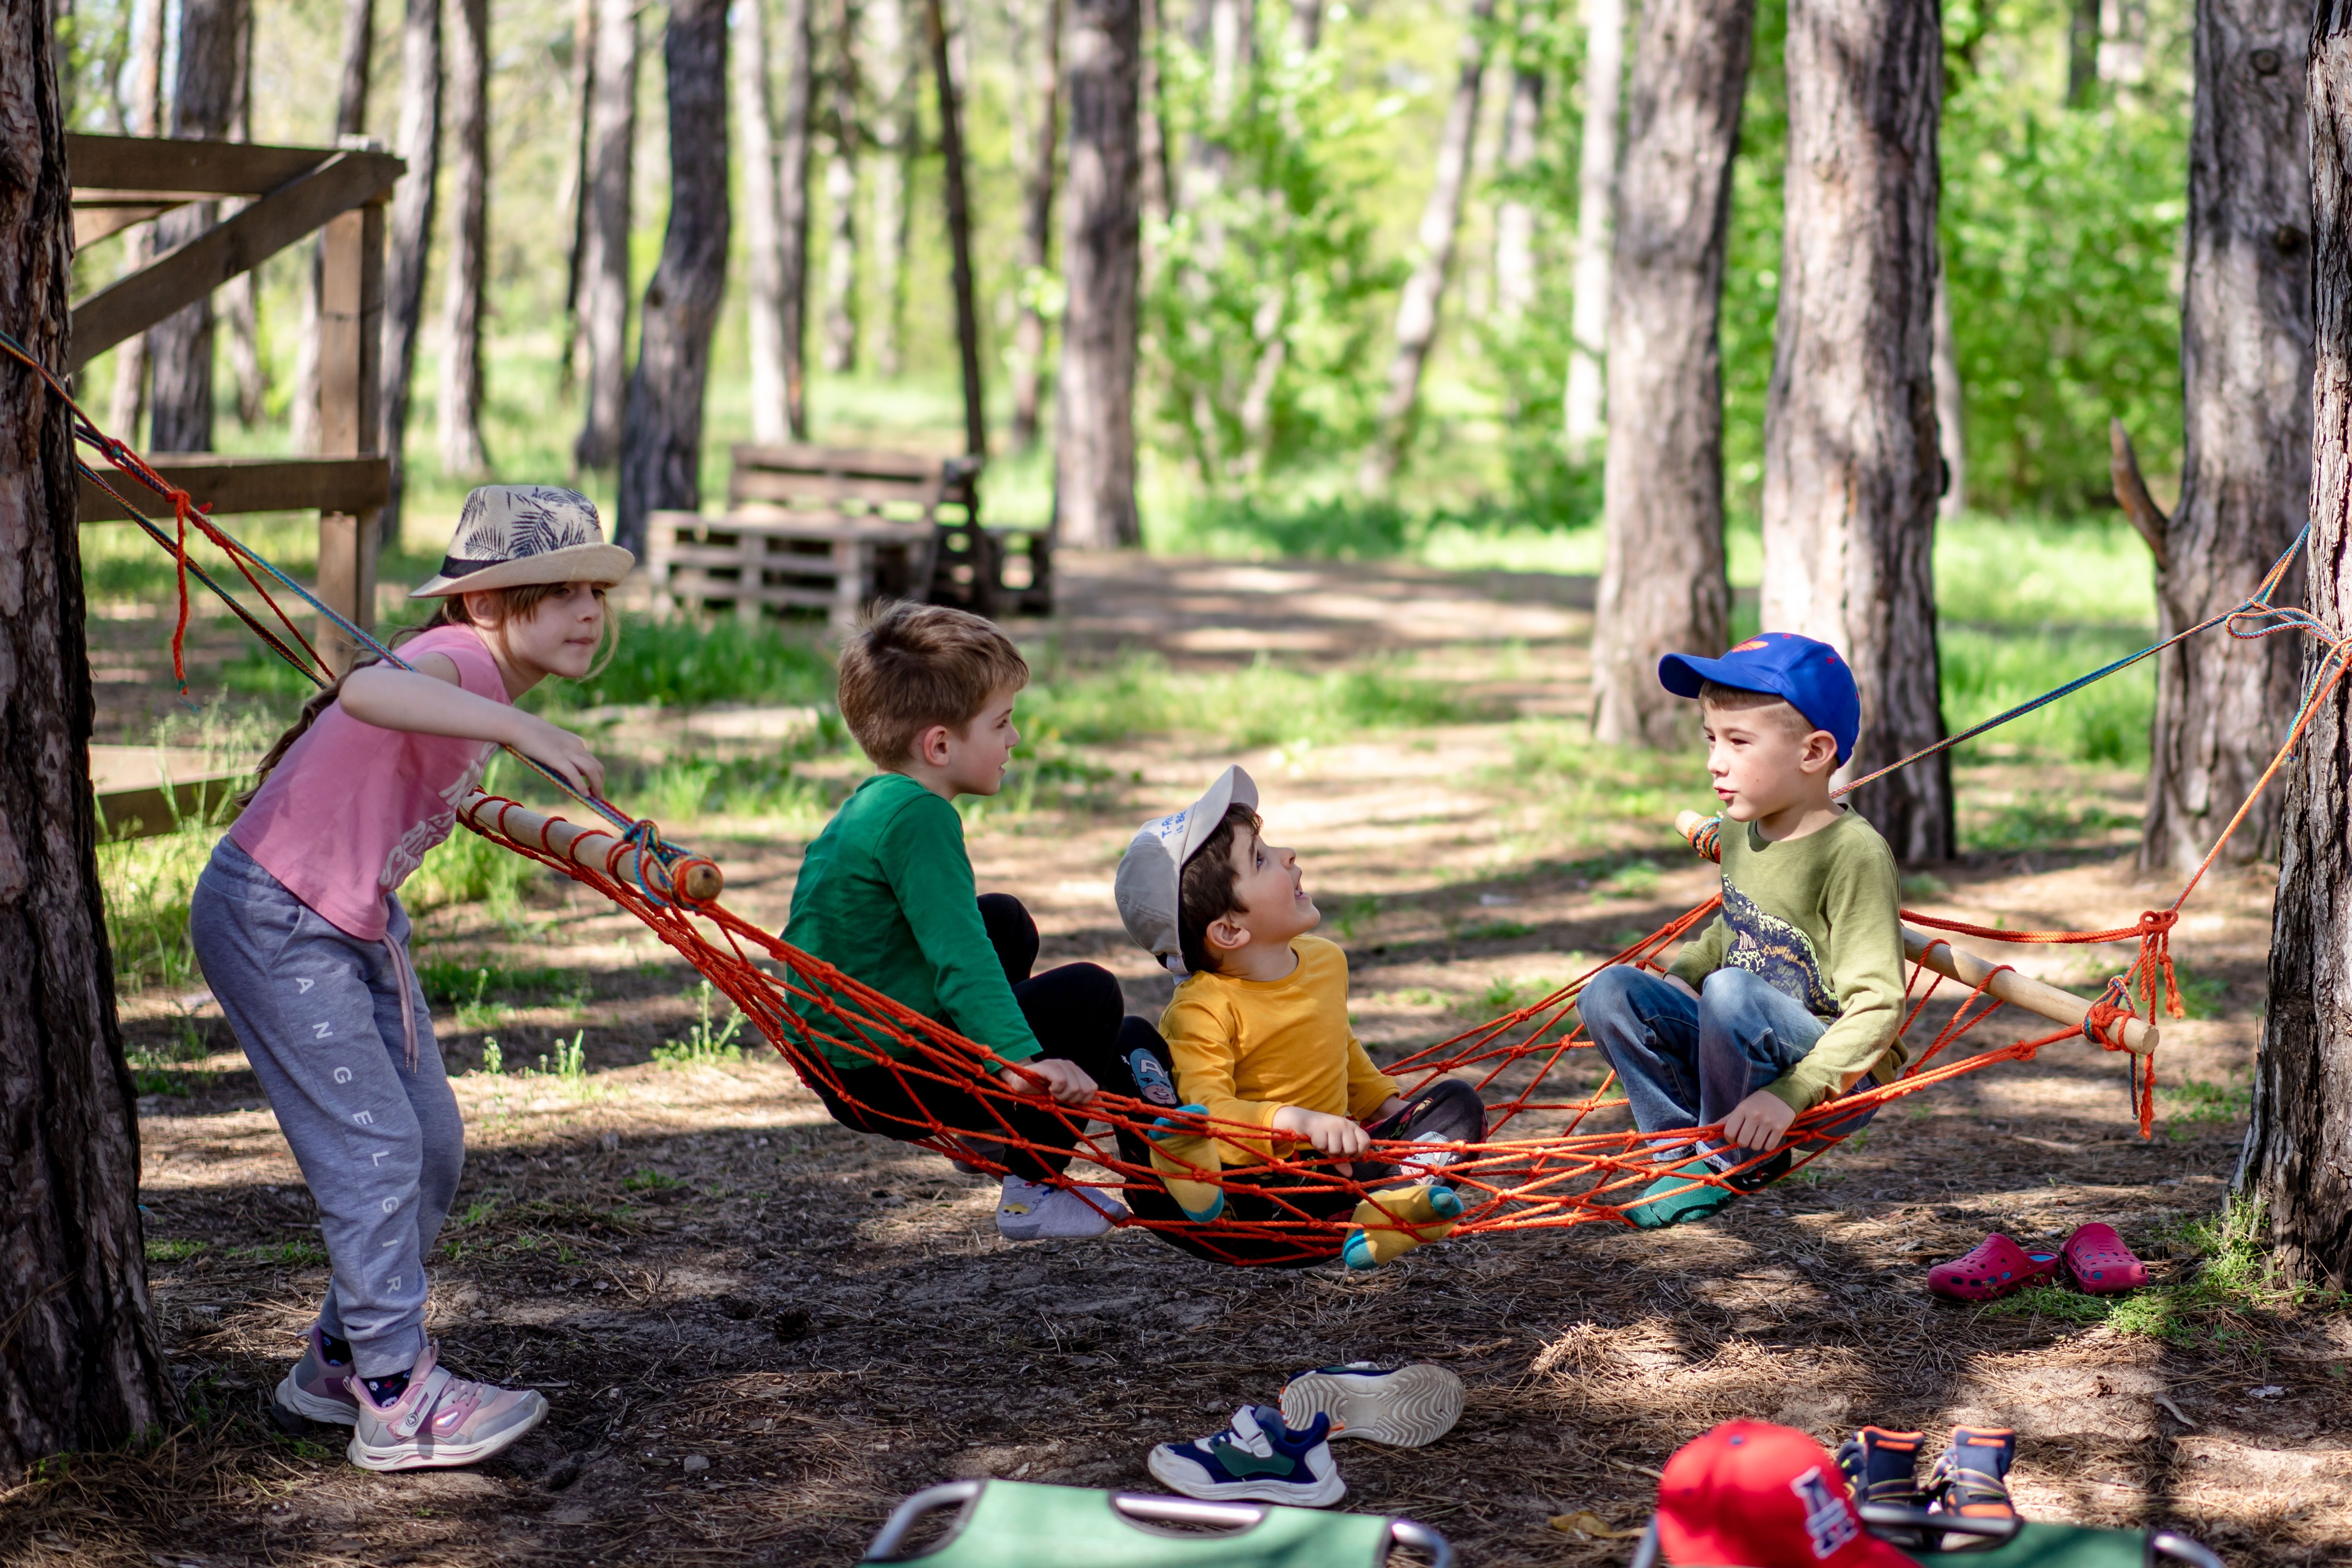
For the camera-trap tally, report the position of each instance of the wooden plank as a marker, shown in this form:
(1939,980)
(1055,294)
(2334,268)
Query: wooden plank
(822,527)
(195,167)
(233,485)
(863,462)
(94,221)
(142,791)
(351,334)
(189,272)
(769,484)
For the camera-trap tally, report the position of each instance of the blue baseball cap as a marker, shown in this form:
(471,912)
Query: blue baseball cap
(1805,673)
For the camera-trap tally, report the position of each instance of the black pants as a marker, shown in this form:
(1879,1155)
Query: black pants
(1074,1011)
(1447,1109)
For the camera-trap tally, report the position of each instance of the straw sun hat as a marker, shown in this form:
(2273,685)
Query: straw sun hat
(509,535)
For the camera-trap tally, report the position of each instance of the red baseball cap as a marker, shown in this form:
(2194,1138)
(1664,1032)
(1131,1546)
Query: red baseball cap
(1753,1495)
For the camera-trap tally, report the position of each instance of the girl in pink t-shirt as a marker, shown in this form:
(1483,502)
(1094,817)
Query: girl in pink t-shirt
(304,942)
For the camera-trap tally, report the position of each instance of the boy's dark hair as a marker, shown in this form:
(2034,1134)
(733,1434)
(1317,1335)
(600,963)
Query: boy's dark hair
(1204,893)
(1740,699)
(914,666)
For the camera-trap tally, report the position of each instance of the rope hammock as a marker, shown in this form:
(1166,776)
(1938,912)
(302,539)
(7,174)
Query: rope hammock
(1538,1167)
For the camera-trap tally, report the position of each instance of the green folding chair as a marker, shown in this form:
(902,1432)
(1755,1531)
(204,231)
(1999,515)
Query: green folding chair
(1946,1541)
(1020,1524)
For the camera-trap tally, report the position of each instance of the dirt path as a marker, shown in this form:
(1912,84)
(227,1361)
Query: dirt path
(757,1330)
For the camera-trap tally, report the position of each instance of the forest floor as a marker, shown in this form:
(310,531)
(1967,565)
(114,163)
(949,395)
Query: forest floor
(757,1330)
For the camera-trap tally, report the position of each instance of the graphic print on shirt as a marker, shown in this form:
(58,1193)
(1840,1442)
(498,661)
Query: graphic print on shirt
(1774,951)
(410,852)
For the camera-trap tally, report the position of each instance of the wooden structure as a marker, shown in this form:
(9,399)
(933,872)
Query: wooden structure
(290,193)
(833,529)
(142,791)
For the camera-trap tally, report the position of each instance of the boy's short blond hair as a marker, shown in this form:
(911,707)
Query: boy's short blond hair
(1740,699)
(913,665)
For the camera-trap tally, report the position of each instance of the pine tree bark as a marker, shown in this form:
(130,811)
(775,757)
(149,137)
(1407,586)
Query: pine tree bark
(408,234)
(841,199)
(2221,705)
(1037,231)
(2298,1155)
(1514,214)
(1850,468)
(1951,404)
(351,120)
(145,117)
(959,217)
(1582,416)
(890,69)
(84,1368)
(240,297)
(661,445)
(605,258)
(763,223)
(463,303)
(582,75)
(1663,588)
(1419,306)
(1102,238)
(203,99)
(1158,180)
(792,204)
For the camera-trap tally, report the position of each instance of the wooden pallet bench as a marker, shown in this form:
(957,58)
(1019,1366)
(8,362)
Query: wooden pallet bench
(835,528)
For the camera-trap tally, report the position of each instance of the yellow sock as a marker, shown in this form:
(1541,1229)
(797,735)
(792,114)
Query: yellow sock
(1398,1221)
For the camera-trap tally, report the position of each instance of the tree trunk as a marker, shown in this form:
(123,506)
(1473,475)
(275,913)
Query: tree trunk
(2295,1163)
(146,119)
(841,199)
(1037,233)
(2082,52)
(661,447)
(84,1369)
(409,238)
(1224,33)
(1424,290)
(792,205)
(241,295)
(762,227)
(605,258)
(1158,183)
(1306,26)
(1951,404)
(1514,215)
(959,215)
(1850,468)
(1663,588)
(462,304)
(351,120)
(1582,418)
(203,99)
(889,67)
(2223,705)
(1102,238)
(575,193)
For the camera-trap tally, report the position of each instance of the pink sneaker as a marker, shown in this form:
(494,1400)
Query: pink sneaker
(440,1421)
(315,1387)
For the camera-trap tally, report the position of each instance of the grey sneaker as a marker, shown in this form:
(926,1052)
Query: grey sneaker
(1410,1407)
(1032,1211)
(441,1421)
(316,1388)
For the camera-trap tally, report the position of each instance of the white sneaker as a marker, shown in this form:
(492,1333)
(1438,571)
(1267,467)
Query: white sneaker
(1032,1211)
(1410,1407)
(1258,1459)
(440,1421)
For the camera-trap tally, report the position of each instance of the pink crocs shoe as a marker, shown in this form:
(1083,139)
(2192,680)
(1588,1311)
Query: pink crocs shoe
(440,1421)
(2099,1262)
(1996,1266)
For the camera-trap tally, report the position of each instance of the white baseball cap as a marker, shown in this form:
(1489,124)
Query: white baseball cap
(1153,872)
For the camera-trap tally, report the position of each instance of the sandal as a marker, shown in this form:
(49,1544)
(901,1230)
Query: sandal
(1970,1477)
(2099,1262)
(1998,1267)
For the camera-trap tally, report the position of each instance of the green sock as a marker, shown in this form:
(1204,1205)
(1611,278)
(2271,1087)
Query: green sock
(1658,1209)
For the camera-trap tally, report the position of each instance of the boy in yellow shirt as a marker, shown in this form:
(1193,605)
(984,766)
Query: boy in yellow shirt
(1257,1036)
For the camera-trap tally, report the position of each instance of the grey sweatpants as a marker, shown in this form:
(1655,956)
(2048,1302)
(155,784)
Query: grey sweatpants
(337,1030)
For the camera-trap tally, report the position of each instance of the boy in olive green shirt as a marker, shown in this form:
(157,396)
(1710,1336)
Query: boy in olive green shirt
(885,895)
(1793,996)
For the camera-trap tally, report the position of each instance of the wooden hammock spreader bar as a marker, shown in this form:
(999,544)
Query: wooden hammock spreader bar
(692,880)
(1937,956)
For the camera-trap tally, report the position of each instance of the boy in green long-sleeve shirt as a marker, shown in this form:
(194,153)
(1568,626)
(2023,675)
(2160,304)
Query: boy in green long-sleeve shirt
(885,895)
(1793,996)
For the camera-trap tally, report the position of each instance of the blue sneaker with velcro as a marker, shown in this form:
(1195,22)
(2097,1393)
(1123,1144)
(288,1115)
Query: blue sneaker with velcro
(1255,1460)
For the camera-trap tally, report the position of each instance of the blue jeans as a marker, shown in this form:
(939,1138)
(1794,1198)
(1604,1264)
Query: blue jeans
(1686,1062)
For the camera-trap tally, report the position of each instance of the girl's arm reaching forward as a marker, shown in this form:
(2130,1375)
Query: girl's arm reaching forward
(429,700)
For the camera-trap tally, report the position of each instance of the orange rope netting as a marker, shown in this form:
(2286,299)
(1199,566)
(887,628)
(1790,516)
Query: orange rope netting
(1555,1175)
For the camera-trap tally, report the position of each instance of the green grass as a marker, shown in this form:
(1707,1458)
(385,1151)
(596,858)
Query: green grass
(2013,828)
(705,1044)
(2194,1100)
(176,1249)
(686,663)
(1264,704)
